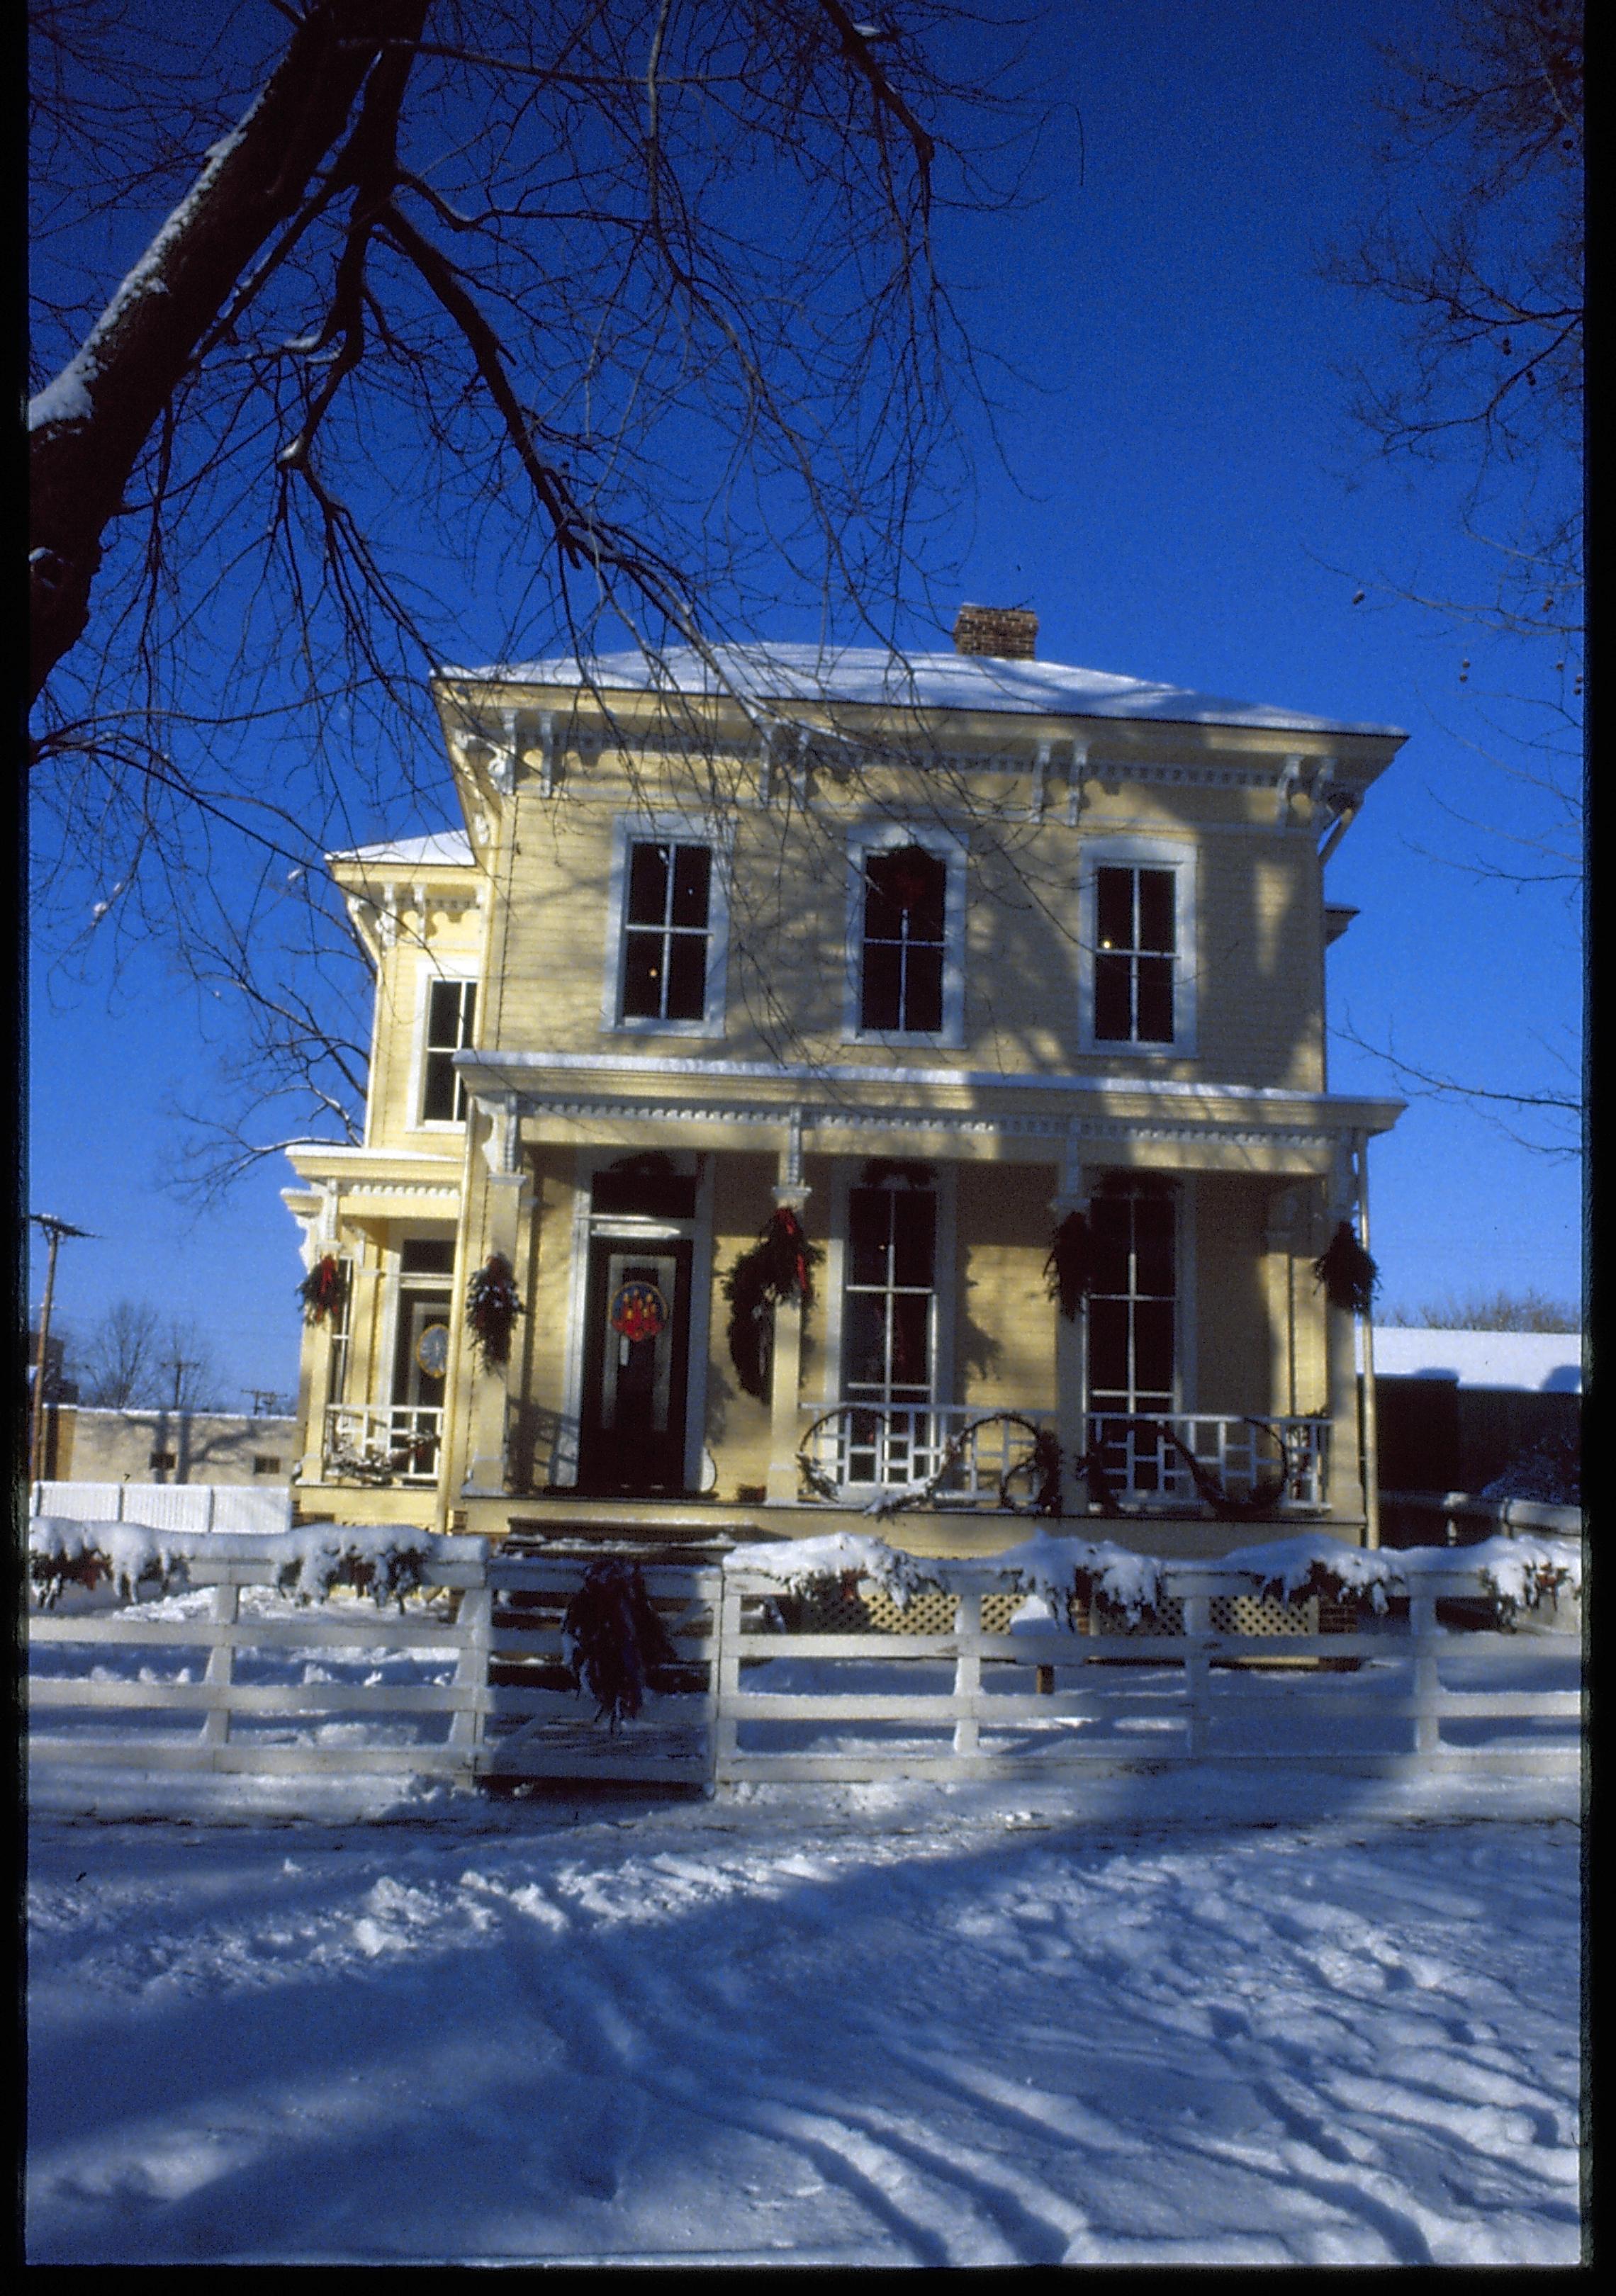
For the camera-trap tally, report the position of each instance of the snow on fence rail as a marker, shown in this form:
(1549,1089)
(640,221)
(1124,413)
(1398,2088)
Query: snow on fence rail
(1081,1679)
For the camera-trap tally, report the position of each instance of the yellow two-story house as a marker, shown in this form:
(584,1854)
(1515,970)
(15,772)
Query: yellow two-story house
(892,971)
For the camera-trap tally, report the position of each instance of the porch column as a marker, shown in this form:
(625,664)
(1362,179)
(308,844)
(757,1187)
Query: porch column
(491,1385)
(319,1237)
(1371,1463)
(1071,1355)
(785,1377)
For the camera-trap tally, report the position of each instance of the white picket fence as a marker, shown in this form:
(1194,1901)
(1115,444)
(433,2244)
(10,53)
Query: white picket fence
(1394,1698)
(168,1507)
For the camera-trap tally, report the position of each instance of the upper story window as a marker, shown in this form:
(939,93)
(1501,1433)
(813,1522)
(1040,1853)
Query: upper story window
(906,931)
(451,1014)
(667,929)
(1135,943)
(1137,931)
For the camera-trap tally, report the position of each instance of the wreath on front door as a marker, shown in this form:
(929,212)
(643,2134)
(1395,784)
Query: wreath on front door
(491,1309)
(779,1267)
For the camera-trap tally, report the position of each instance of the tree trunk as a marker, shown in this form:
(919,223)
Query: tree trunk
(89,426)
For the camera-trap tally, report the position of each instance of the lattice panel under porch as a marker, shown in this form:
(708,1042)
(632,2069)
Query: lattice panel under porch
(868,1609)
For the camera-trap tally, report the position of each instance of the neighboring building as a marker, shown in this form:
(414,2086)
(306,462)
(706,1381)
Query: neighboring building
(932,950)
(1458,1409)
(159,1446)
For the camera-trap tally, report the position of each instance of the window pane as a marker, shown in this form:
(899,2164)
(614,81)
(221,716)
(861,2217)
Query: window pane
(913,1238)
(691,876)
(1108,1346)
(1154,1350)
(437,1099)
(883,918)
(910,1340)
(882,961)
(1155,1000)
(1114,907)
(427,1256)
(1153,1248)
(648,885)
(924,1003)
(468,1010)
(869,1227)
(1113,1019)
(866,1341)
(1110,1228)
(686,976)
(643,977)
(443,1014)
(1156,908)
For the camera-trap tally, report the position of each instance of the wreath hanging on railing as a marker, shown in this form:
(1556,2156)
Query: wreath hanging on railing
(323,1289)
(1347,1272)
(491,1309)
(778,1268)
(1069,1270)
(612,1637)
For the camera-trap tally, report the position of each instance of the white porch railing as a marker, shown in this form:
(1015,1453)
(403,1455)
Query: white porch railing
(383,1442)
(970,1456)
(958,1455)
(1186,1456)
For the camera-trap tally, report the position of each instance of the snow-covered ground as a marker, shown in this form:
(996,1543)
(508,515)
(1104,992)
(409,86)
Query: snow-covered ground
(865,2025)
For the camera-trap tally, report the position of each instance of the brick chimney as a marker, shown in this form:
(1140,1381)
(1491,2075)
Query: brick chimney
(1010,632)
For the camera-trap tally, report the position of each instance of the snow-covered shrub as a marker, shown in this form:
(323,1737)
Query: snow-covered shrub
(1549,1471)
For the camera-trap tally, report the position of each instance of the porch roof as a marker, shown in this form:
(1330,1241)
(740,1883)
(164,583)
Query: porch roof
(954,1114)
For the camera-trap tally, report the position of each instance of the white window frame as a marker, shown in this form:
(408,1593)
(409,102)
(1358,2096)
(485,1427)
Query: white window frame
(945,1293)
(1179,856)
(427,974)
(945,845)
(631,829)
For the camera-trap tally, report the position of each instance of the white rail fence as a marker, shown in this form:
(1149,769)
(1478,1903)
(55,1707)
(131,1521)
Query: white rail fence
(167,1506)
(489,1696)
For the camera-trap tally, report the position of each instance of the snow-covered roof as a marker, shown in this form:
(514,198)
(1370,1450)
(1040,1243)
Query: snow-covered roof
(1534,1360)
(439,845)
(924,681)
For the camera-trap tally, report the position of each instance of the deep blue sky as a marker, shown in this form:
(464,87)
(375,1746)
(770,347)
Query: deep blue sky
(1192,505)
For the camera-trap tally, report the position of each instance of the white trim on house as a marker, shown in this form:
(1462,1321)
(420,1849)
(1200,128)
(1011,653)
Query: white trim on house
(673,828)
(954,851)
(1177,854)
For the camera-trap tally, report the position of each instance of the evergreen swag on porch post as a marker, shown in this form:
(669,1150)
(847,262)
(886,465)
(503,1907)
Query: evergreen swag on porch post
(1347,1272)
(778,1268)
(1069,1270)
(324,1290)
(492,1307)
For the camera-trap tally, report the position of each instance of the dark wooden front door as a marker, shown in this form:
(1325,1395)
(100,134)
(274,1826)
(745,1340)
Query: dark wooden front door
(636,1340)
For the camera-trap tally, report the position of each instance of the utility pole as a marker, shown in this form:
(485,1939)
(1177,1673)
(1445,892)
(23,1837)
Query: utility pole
(264,1399)
(55,1229)
(182,1364)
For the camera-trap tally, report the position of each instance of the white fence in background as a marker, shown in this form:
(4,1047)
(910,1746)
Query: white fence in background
(170,1506)
(747,1702)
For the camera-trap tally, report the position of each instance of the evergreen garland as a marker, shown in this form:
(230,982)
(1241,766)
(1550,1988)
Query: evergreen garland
(779,1267)
(1069,1270)
(492,1307)
(1347,1272)
(324,1290)
(612,1637)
